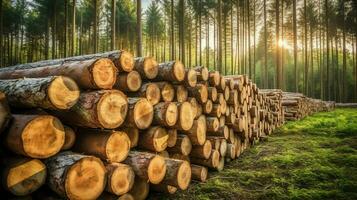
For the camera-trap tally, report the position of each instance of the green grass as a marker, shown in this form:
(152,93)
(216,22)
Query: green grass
(315,158)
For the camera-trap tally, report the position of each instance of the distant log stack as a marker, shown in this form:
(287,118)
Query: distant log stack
(110,126)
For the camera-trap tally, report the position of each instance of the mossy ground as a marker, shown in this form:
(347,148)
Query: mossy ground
(315,158)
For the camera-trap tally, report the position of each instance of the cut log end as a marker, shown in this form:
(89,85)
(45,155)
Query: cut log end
(191,78)
(160,138)
(150,67)
(63,92)
(179,71)
(121,179)
(181,93)
(43,137)
(171,141)
(167,92)
(184,175)
(171,114)
(206,149)
(143,113)
(26,177)
(104,73)
(85,179)
(153,93)
(186,116)
(215,158)
(133,81)
(204,73)
(117,146)
(186,146)
(113,103)
(156,169)
(126,61)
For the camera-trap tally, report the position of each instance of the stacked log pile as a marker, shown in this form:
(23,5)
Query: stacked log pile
(297,106)
(109,126)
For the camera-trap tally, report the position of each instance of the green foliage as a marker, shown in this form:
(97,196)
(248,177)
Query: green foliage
(315,158)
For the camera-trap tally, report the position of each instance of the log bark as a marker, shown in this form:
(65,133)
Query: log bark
(163,188)
(140,190)
(153,139)
(109,196)
(147,166)
(214,78)
(76,176)
(18,172)
(88,74)
(212,94)
(212,162)
(147,67)
(178,173)
(133,134)
(165,114)
(200,92)
(195,106)
(216,111)
(199,173)
(173,71)
(171,141)
(120,178)
(113,146)
(190,78)
(183,145)
(97,109)
(5,114)
(202,151)
(202,73)
(223,131)
(140,114)
(197,133)
(150,91)
(55,92)
(35,136)
(128,82)
(207,107)
(231,151)
(212,124)
(185,116)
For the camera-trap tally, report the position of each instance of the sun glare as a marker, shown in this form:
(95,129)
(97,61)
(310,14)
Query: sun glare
(284,44)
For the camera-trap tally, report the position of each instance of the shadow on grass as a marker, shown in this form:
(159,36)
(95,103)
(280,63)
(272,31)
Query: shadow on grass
(315,158)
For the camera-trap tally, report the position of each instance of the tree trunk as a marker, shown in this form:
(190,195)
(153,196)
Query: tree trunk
(65,28)
(140,113)
(138,28)
(76,176)
(54,93)
(95,26)
(295,46)
(219,24)
(35,136)
(199,173)
(18,172)
(172,55)
(277,35)
(171,71)
(120,178)
(128,82)
(147,67)
(147,166)
(97,109)
(73,39)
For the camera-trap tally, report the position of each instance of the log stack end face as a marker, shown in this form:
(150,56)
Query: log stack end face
(184,175)
(179,71)
(153,93)
(156,169)
(118,146)
(63,92)
(151,67)
(104,73)
(112,109)
(143,113)
(126,61)
(86,179)
(171,114)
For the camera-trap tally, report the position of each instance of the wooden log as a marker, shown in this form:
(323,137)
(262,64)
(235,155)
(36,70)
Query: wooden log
(212,124)
(178,173)
(171,141)
(186,116)
(216,111)
(231,151)
(214,78)
(114,145)
(226,93)
(222,121)
(232,136)
(181,93)
(222,132)
(153,139)
(197,133)
(220,164)
(202,73)
(147,166)
(200,92)
(150,91)
(183,145)
(165,114)
(21,176)
(212,94)
(88,74)
(163,188)
(55,92)
(5,114)
(233,98)
(229,83)
(76,176)
(180,157)
(133,134)
(215,141)
(140,190)
(109,196)
(207,107)
(122,60)
(167,91)
(164,154)
(70,138)
(202,151)
(140,114)
(223,148)
(222,84)
(199,173)
(212,162)
(97,109)
(190,78)
(120,178)
(147,67)
(195,106)
(173,71)
(35,136)
(128,82)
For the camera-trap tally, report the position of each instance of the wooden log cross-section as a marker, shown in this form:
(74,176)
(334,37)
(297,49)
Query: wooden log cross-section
(35,136)
(120,178)
(56,92)
(147,67)
(178,173)
(89,74)
(76,176)
(153,139)
(140,114)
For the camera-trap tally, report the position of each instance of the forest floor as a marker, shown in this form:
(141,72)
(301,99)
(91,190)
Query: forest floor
(315,158)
